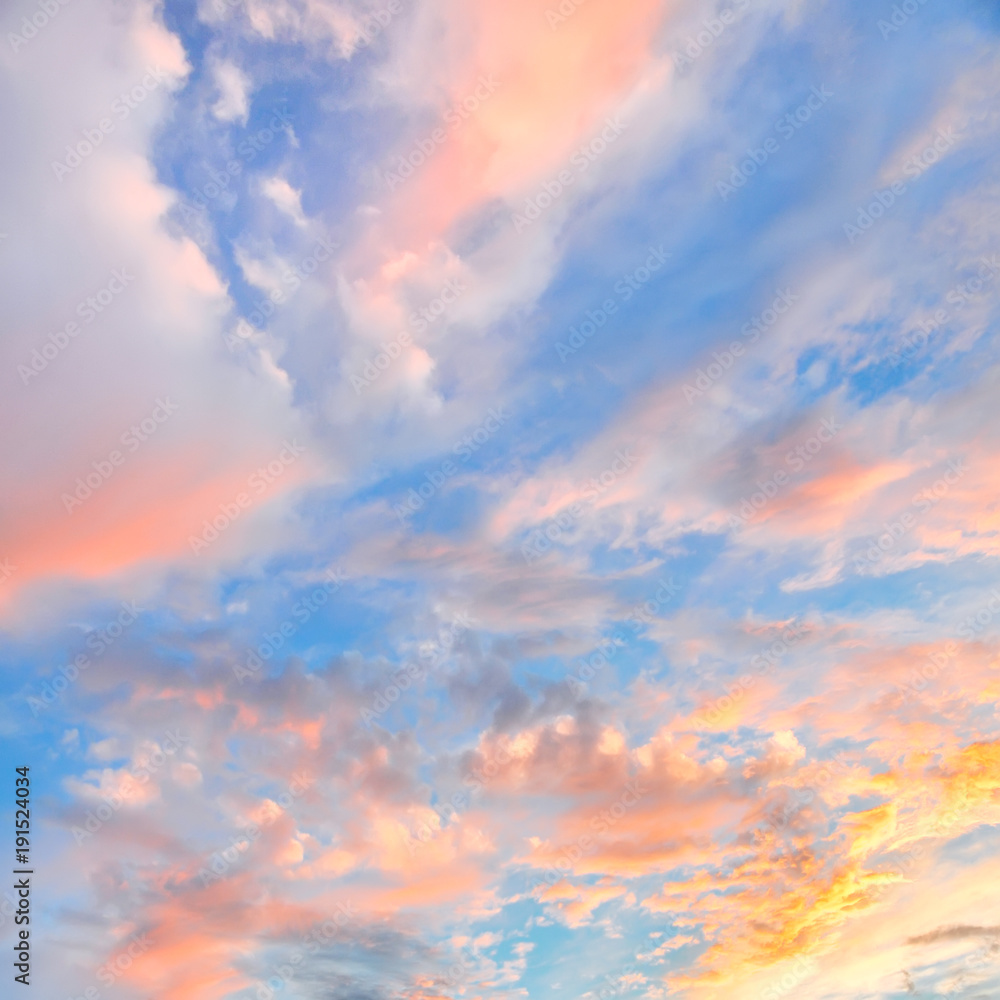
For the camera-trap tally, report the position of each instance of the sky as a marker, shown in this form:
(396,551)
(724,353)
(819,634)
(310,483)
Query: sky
(502,500)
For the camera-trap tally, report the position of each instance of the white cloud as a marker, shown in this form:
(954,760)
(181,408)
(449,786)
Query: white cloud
(234,86)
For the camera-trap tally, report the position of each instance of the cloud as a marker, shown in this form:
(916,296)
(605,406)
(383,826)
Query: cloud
(234,86)
(726,669)
(953,934)
(135,458)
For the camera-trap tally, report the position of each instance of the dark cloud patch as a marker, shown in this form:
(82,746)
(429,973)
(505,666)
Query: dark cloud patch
(953,934)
